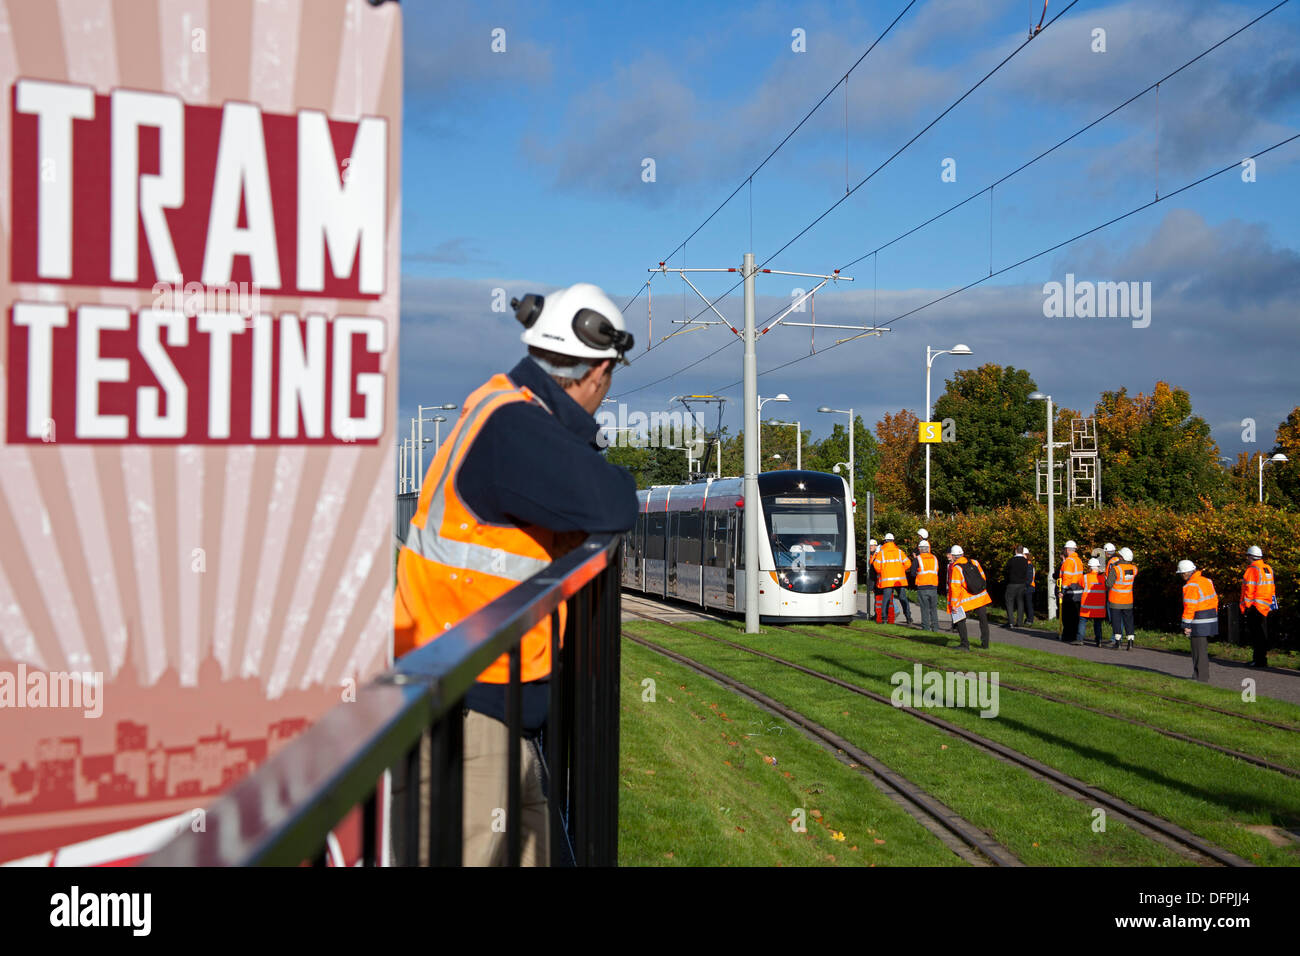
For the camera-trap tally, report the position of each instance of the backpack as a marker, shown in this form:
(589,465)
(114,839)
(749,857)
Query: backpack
(975,582)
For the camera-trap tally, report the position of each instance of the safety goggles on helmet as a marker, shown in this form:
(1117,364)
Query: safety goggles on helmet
(590,327)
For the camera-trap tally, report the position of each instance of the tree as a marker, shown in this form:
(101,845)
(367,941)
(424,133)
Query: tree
(1155,451)
(834,448)
(990,462)
(900,459)
(1285,478)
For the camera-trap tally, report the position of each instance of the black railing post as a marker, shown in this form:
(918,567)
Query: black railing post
(557,779)
(446,788)
(514,743)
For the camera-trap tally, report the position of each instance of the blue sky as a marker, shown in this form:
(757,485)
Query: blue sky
(523,171)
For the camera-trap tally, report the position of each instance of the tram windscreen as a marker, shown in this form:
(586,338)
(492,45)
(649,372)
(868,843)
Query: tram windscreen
(805,531)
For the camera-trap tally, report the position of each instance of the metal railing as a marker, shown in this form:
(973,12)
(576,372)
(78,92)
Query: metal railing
(283,813)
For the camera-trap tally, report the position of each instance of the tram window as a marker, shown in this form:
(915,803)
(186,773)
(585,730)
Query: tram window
(654,541)
(689,526)
(808,532)
(716,539)
(739,540)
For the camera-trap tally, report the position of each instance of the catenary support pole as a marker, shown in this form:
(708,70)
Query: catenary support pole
(752,518)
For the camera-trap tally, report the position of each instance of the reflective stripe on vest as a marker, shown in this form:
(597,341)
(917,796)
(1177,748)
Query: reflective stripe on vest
(1200,606)
(889,563)
(1120,593)
(927,571)
(1094,595)
(454,563)
(1072,571)
(957,593)
(1258,588)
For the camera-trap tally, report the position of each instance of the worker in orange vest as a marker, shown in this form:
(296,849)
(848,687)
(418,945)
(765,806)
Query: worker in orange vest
(518,482)
(1119,599)
(967,594)
(1258,599)
(1200,617)
(1070,575)
(891,566)
(927,586)
(1092,607)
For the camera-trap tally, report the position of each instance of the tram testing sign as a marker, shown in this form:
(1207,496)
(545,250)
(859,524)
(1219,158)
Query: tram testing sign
(199,231)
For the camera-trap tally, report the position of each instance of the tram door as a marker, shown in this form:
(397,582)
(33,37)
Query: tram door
(737,562)
(670,562)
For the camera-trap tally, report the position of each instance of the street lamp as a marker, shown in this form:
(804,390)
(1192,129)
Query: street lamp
(782,397)
(1051,508)
(1262,462)
(853,489)
(930,356)
(419,444)
(798,441)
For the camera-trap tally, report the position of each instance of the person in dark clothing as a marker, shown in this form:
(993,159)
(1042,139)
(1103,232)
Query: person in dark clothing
(518,483)
(1015,575)
(1031,584)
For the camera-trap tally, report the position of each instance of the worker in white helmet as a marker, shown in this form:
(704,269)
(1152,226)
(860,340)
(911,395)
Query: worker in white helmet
(1200,617)
(1119,599)
(1258,600)
(519,482)
(1070,579)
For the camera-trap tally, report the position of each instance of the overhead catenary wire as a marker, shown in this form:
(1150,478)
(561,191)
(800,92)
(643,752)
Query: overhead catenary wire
(1077,133)
(850,192)
(1234,165)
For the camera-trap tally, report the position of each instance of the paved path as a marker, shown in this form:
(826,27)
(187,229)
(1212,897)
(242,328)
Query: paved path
(1278,683)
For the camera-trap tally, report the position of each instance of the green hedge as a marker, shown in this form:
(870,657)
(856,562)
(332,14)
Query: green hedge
(1215,539)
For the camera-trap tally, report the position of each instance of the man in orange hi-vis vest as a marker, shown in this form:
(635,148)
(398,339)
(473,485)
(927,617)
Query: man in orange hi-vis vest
(891,564)
(1093,605)
(927,586)
(518,482)
(1070,574)
(966,597)
(1258,598)
(1200,617)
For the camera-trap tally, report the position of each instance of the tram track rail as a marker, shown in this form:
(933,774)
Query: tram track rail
(1173,734)
(1294,728)
(1157,829)
(960,835)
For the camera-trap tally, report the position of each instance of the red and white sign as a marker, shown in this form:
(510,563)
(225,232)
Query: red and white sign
(199,238)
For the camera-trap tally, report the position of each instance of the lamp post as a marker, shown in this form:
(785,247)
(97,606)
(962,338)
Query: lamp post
(798,445)
(853,488)
(930,356)
(758,435)
(419,444)
(1278,458)
(1051,508)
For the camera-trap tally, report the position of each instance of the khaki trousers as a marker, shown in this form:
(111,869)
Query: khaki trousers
(484,822)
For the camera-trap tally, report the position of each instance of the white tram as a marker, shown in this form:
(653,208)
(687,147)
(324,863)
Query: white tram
(689,544)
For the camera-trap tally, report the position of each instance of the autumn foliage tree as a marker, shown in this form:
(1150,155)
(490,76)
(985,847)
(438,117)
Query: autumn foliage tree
(901,459)
(1154,450)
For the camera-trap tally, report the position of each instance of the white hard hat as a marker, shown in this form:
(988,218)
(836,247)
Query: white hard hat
(580,321)
(1071,546)
(873,542)
(923,546)
(956,551)
(1025,552)
(923,534)
(889,537)
(1108,547)
(1126,554)
(1184,566)
(1254,552)
(1094,564)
